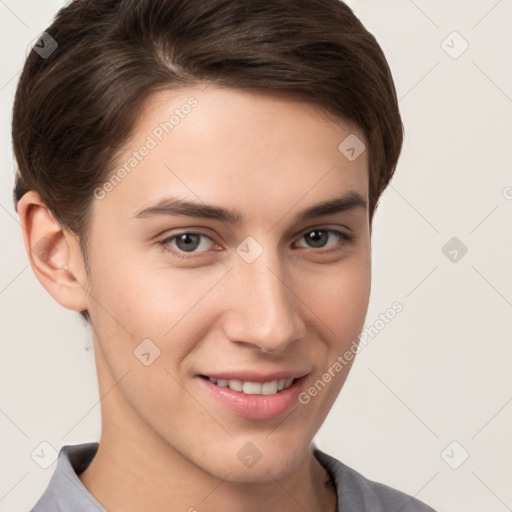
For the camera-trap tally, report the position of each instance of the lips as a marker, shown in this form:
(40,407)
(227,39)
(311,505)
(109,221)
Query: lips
(255,376)
(255,395)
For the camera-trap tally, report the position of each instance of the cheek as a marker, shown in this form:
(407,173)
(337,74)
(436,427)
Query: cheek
(339,298)
(134,302)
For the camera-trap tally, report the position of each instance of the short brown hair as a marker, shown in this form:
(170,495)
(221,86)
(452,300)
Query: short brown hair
(75,108)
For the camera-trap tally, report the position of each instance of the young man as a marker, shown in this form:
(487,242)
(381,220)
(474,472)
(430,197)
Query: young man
(198,180)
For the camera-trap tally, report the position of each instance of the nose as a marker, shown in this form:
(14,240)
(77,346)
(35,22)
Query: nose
(264,307)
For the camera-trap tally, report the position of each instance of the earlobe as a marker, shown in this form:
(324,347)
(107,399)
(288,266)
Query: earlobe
(53,253)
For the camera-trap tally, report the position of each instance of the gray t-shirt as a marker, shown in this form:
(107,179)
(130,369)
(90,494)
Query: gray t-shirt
(66,493)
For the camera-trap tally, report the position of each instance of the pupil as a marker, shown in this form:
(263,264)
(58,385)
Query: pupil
(189,240)
(313,236)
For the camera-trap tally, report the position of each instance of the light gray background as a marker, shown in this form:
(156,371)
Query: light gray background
(439,372)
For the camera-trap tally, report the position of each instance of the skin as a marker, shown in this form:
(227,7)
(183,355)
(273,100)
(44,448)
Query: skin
(165,444)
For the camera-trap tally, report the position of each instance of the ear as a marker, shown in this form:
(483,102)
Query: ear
(54,254)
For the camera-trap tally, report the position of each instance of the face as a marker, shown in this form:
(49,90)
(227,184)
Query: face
(202,314)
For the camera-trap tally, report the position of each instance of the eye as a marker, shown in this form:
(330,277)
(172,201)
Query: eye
(317,237)
(184,243)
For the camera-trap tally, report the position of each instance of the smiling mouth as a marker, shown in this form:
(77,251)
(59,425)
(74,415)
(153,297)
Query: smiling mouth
(252,388)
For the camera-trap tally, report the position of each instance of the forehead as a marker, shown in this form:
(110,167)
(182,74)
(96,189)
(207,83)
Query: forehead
(250,149)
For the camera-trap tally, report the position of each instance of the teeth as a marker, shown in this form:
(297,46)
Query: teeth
(253,388)
(236,385)
(269,388)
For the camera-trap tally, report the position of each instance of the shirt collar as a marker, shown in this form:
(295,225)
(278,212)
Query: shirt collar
(65,488)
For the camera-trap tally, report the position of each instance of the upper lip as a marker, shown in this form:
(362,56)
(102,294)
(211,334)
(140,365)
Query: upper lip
(256,376)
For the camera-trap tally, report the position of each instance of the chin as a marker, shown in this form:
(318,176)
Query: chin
(247,461)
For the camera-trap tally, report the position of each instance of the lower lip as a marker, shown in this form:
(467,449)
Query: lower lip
(256,407)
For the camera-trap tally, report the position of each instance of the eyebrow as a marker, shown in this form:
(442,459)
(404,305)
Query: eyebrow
(173,206)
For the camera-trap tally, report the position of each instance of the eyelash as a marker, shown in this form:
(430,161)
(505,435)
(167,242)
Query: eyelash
(347,238)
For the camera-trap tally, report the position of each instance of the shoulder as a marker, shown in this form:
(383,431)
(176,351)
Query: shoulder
(358,493)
